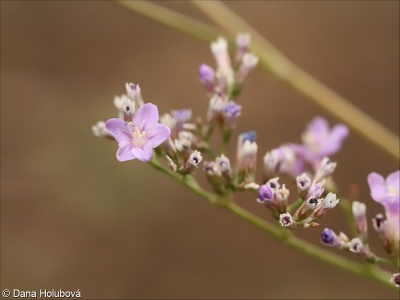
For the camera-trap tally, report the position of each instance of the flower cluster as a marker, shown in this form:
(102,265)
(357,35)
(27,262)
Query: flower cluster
(311,204)
(385,192)
(136,129)
(224,83)
(182,143)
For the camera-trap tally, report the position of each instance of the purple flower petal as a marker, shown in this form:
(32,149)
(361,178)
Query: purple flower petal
(318,125)
(144,153)
(125,153)
(158,134)
(120,131)
(394,179)
(377,186)
(145,117)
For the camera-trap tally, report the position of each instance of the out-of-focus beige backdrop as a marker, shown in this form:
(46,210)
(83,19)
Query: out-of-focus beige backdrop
(73,217)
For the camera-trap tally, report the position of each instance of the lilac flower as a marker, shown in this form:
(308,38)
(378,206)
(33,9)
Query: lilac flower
(386,192)
(137,139)
(319,141)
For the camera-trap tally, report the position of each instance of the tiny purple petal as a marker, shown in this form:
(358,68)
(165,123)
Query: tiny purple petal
(125,153)
(145,117)
(143,154)
(206,73)
(158,134)
(120,131)
(377,186)
(318,125)
(393,179)
(138,138)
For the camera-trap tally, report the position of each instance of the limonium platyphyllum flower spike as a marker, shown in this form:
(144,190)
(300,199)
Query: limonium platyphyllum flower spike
(386,192)
(140,135)
(137,139)
(319,141)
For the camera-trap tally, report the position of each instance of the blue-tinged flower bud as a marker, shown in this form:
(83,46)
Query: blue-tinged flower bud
(231,113)
(329,238)
(265,193)
(207,77)
(247,153)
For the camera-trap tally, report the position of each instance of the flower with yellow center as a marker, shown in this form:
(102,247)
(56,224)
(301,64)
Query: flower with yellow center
(137,139)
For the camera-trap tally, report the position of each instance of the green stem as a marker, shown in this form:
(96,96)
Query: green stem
(284,235)
(312,250)
(273,61)
(187,180)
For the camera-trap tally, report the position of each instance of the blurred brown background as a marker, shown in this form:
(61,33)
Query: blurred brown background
(73,217)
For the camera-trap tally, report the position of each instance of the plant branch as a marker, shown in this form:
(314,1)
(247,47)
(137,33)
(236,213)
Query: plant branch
(272,61)
(312,250)
(284,235)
